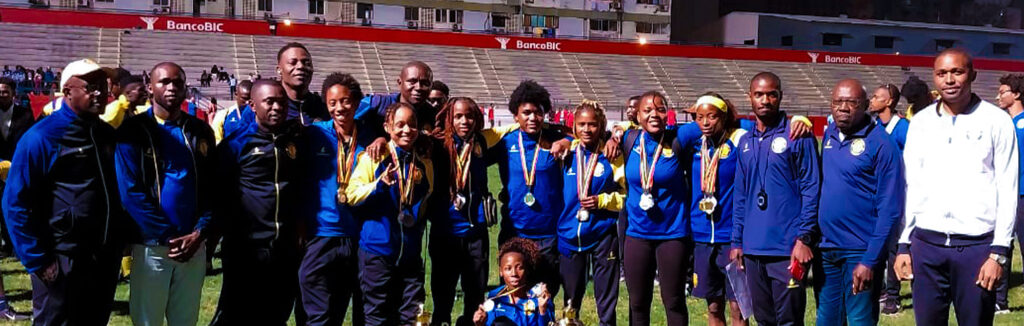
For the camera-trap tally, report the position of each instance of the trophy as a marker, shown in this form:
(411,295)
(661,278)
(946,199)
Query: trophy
(423,317)
(569,316)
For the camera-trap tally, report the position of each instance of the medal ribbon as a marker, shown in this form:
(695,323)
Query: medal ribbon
(346,158)
(584,176)
(647,174)
(405,176)
(462,162)
(709,167)
(528,174)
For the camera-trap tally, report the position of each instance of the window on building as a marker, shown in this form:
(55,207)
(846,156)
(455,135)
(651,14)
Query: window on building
(884,42)
(832,39)
(942,45)
(750,42)
(364,10)
(649,28)
(448,16)
(604,25)
(498,20)
(161,2)
(787,40)
(104,0)
(651,2)
(412,13)
(540,21)
(316,7)
(265,5)
(1001,48)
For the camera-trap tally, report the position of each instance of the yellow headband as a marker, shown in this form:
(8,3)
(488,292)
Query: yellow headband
(713,101)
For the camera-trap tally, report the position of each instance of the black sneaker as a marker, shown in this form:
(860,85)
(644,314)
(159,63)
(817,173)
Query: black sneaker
(1002,309)
(890,307)
(9,314)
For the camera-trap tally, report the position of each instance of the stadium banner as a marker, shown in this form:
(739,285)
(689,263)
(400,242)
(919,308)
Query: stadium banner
(488,41)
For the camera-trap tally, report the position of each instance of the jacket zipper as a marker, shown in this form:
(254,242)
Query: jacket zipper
(712,230)
(579,241)
(156,167)
(195,167)
(277,189)
(103,179)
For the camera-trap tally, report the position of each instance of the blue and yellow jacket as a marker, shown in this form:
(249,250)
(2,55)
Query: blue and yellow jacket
(165,174)
(716,228)
(331,219)
(864,178)
(61,194)
(262,180)
(382,234)
(540,220)
(790,174)
(608,184)
(238,121)
(517,311)
(897,129)
(669,218)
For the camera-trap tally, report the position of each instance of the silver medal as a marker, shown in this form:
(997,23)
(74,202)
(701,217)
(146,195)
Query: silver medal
(488,305)
(583,215)
(529,200)
(459,202)
(646,201)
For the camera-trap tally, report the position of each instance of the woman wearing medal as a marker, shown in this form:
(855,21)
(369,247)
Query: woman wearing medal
(593,192)
(328,275)
(713,170)
(532,177)
(521,300)
(459,243)
(656,204)
(393,190)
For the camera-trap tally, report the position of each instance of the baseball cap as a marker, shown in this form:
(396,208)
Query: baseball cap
(81,68)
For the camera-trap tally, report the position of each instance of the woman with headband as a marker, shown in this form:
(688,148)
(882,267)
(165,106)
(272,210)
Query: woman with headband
(712,172)
(594,189)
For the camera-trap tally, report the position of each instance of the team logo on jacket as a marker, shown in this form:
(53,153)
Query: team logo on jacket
(828,144)
(204,148)
(724,152)
(779,145)
(1020,124)
(290,149)
(857,147)
(599,170)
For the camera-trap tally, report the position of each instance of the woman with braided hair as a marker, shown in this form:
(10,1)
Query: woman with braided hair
(522,300)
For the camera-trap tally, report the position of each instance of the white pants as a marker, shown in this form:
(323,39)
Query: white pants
(163,287)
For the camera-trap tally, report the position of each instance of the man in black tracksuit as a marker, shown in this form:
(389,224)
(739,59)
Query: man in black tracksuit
(261,176)
(62,206)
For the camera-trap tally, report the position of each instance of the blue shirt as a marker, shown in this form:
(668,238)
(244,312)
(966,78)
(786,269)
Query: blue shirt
(1018,126)
(516,312)
(897,129)
(865,182)
(577,236)
(165,204)
(789,174)
(540,220)
(331,219)
(716,228)
(669,218)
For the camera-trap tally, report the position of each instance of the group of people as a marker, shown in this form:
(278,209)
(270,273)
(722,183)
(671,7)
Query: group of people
(322,202)
(38,80)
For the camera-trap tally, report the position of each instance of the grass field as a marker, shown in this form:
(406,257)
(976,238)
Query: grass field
(18,290)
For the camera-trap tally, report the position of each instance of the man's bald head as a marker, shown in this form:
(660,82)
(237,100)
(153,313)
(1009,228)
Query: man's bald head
(849,105)
(167,65)
(767,77)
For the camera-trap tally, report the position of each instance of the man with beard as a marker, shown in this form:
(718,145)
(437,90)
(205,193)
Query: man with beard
(62,207)
(962,190)
(414,85)
(261,184)
(295,67)
(165,164)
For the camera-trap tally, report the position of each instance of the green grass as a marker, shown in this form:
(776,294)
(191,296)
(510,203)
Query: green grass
(19,287)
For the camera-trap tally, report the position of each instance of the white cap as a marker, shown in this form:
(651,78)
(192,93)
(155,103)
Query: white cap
(81,68)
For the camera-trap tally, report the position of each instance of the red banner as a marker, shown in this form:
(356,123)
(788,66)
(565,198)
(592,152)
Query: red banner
(358,33)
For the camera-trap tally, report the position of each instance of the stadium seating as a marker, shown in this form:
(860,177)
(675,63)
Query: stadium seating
(488,75)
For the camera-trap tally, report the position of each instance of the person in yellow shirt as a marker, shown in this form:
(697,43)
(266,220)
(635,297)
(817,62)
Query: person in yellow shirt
(232,114)
(134,99)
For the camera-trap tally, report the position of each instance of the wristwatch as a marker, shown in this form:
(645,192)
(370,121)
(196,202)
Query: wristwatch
(999,259)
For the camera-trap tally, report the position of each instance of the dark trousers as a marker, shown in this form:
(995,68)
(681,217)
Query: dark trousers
(642,258)
(774,302)
(833,279)
(892,283)
(547,268)
(604,261)
(947,274)
(1003,289)
(391,293)
(328,278)
(454,258)
(260,285)
(81,294)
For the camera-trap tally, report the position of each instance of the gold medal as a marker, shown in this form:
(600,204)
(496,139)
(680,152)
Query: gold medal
(707,205)
(342,199)
(529,200)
